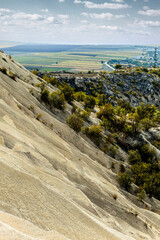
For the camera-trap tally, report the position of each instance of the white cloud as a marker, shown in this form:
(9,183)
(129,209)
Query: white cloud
(110,28)
(50,20)
(26,16)
(63,16)
(145,7)
(144,23)
(4,10)
(118,1)
(102,15)
(150,12)
(140,32)
(45,10)
(31,20)
(61,1)
(105,5)
(84,21)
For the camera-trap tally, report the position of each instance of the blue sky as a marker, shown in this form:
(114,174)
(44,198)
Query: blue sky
(81,22)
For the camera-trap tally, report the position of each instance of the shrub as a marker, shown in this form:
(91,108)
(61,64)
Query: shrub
(124,180)
(118,66)
(147,123)
(114,196)
(35,72)
(53,81)
(38,116)
(57,100)
(122,168)
(101,100)
(124,104)
(85,115)
(147,153)
(79,96)
(134,156)
(50,80)
(111,151)
(31,108)
(106,112)
(107,125)
(45,96)
(75,122)
(11,75)
(94,133)
(68,92)
(141,193)
(89,102)
(3,70)
(74,108)
(128,129)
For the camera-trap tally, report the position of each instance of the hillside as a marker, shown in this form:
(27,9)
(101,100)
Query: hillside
(135,85)
(55,183)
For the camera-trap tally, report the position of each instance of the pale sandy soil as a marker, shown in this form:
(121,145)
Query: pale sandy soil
(54,184)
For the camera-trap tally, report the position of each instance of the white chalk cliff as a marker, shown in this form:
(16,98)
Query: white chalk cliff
(54,184)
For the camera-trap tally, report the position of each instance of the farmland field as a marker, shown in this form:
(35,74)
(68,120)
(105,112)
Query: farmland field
(70,58)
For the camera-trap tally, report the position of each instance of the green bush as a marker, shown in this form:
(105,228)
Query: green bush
(147,153)
(79,96)
(75,122)
(101,100)
(128,129)
(89,102)
(12,75)
(57,100)
(3,70)
(35,72)
(118,66)
(68,92)
(124,104)
(50,80)
(124,180)
(94,133)
(134,156)
(106,112)
(85,115)
(45,96)
(147,123)
(111,151)
(141,193)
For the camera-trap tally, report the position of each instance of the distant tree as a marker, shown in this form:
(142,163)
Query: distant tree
(118,66)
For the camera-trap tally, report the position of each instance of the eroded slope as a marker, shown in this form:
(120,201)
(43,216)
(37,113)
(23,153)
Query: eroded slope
(54,183)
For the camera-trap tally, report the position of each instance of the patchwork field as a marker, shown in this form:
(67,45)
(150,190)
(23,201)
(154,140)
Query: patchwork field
(68,57)
(69,61)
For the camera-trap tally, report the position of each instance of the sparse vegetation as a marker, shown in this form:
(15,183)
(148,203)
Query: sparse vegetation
(39,115)
(119,120)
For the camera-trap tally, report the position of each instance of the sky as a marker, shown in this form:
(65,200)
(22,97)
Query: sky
(81,22)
